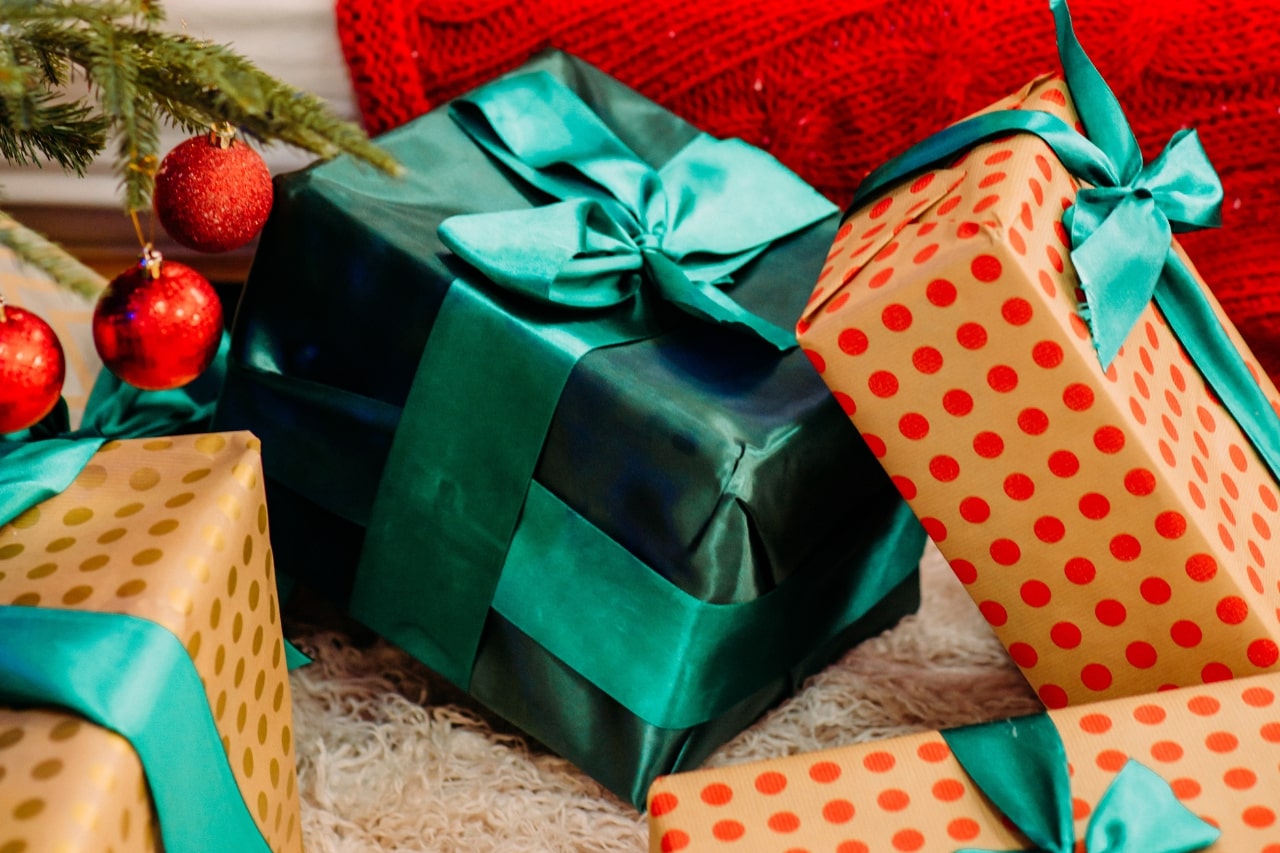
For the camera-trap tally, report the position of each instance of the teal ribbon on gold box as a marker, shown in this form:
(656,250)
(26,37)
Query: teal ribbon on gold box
(563,449)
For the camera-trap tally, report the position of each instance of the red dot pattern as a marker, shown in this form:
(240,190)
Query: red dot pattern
(1218,747)
(1128,493)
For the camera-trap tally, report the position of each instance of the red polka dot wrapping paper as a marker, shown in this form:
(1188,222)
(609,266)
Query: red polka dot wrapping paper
(1217,745)
(173,530)
(1116,529)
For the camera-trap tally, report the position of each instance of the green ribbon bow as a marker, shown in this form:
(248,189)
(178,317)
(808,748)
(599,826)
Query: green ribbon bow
(1021,766)
(124,673)
(689,225)
(588,272)
(1121,226)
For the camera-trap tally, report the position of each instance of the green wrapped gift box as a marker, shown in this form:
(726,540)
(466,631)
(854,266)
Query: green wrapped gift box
(608,498)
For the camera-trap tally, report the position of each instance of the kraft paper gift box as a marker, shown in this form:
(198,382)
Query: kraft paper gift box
(1116,526)
(164,539)
(1215,747)
(673,500)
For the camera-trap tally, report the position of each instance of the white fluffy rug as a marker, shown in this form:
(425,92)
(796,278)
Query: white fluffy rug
(393,759)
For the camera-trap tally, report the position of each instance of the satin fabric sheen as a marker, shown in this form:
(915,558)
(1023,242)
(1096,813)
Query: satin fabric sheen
(141,682)
(724,469)
(1021,766)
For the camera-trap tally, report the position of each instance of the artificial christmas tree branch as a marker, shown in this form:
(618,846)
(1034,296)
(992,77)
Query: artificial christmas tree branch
(135,77)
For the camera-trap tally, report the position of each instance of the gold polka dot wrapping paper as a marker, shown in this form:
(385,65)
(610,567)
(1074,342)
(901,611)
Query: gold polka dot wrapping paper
(1217,745)
(174,531)
(1116,528)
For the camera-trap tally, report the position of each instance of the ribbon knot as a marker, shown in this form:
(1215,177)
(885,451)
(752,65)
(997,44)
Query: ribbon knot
(1121,227)
(1021,766)
(687,226)
(1121,235)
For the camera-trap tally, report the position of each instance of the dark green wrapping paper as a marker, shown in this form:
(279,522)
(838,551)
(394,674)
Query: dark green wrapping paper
(721,466)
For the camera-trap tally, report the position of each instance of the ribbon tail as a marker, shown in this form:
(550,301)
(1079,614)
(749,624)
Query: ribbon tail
(1139,813)
(708,302)
(1194,321)
(1021,766)
(1118,254)
(572,253)
(1100,112)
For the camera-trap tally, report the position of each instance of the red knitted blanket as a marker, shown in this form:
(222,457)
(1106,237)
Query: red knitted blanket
(833,88)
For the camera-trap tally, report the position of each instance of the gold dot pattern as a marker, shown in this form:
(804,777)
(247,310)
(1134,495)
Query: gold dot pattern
(67,785)
(1217,745)
(173,531)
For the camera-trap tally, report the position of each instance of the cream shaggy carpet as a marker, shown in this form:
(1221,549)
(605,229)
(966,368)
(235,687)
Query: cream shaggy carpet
(393,759)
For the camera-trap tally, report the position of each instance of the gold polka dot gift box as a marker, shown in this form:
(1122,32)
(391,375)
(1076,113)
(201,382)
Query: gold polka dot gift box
(164,540)
(1099,467)
(1187,769)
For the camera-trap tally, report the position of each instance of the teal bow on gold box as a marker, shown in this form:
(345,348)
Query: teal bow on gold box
(534,412)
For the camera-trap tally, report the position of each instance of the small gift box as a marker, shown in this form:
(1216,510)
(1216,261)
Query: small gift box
(1183,770)
(144,696)
(538,391)
(1098,467)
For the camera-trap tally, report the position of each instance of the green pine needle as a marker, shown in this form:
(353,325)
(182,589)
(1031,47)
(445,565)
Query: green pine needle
(138,77)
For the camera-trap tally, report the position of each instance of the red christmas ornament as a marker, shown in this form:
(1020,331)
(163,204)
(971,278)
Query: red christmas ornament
(158,324)
(212,192)
(32,368)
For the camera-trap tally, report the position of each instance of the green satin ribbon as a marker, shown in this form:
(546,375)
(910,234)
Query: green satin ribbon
(463,456)
(1021,766)
(40,462)
(142,685)
(688,225)
(1121,227)
(670,639)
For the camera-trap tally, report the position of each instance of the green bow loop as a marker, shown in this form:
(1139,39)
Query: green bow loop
(1120,242)
(1121,227)
(1139,813)
(572,253)
(689,225)
(1121,236)
(1021,766)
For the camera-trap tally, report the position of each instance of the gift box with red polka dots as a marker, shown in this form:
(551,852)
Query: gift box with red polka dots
(1115,527)
(1217,745)
(173,531)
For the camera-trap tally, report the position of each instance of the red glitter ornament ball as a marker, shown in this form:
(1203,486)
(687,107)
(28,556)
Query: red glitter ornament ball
(32,368)
(158,331)
(212,193)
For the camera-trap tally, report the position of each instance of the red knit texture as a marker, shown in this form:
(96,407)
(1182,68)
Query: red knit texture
(833,88)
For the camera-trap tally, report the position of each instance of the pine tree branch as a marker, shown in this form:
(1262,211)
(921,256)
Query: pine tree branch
(64,133)
(48,256)
(194,84)
(137,76)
